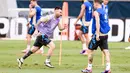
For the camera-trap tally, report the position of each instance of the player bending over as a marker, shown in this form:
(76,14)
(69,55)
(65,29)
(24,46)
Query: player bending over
(100,29)
(45,26)
(86,9)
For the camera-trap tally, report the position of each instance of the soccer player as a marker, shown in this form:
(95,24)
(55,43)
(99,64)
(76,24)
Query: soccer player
(35,13)
(86,9)
(100,29)
(45,26)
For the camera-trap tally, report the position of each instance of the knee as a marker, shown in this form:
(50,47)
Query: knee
(28,37)
(106,52)
(52,46)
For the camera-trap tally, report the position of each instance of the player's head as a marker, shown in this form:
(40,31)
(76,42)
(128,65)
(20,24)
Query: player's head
(105,2)
(33,2)
(97,3)
(58,11)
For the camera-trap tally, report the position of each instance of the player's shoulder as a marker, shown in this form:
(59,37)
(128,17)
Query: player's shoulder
(37,7)
(87,3)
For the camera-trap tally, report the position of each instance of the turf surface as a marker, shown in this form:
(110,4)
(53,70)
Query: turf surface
(72,61)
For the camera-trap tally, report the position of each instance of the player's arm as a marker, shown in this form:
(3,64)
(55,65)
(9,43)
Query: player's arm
(96,14)
(43,19)
(32,11)
(61,27)
(81,13)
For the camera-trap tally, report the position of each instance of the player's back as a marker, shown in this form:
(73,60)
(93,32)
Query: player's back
(88,11)
(104,26)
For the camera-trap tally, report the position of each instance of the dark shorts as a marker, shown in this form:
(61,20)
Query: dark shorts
(31,30)
(42,40)
(84,29)
(102,43)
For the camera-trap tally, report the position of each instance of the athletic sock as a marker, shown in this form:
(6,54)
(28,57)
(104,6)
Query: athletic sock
(107,66)
(84,46)
(89,66)
(21,59)
(48,59)
(27,54)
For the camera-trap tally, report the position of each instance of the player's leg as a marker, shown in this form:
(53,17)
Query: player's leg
(107,55)
(47,42)
(51,46)
(93,44)
(41,50)
(29,36)
(83,31)
(82,41)
(35,47)
(104,48)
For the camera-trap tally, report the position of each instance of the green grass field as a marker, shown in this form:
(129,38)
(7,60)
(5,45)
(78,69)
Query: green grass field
(72,61)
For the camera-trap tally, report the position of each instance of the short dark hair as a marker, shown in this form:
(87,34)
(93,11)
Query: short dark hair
(56,8)
(99,1)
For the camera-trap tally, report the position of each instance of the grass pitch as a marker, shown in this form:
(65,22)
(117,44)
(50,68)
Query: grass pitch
(72,61)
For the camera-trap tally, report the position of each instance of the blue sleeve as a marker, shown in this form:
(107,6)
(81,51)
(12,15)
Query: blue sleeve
(86,4)
(37,9)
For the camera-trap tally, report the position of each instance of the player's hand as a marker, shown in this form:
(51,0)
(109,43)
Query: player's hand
(97,37)
(30,6)
(35,32)
(27,24)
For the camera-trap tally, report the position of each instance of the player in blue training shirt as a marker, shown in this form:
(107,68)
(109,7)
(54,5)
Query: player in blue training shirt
(100,29)
(86,9)
(35,13)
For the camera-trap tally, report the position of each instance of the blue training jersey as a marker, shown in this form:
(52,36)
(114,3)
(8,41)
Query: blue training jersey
(105,8)
(88,12)
(104,26)
(38,14)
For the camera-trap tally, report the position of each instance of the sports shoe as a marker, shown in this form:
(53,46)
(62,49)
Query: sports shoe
(48,64)
(19,63)
(86,71)
(106,71)
(83,51)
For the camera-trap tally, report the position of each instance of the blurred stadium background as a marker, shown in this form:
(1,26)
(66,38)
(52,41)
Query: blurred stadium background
(13,19)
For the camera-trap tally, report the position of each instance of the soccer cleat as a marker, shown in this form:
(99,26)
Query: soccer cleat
(83,51)
(86,71)
(19,63)
(106,71)
(48,64)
